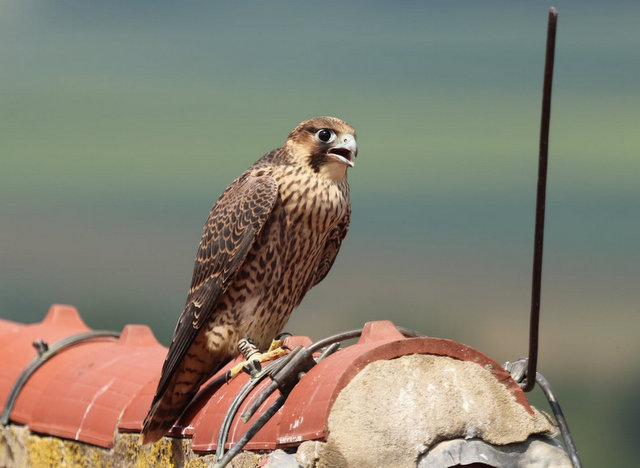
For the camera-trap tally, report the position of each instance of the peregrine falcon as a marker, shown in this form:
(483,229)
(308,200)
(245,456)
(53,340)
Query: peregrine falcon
(272,235)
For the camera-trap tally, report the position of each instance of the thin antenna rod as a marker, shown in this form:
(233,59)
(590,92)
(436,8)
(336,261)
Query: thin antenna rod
(540,201)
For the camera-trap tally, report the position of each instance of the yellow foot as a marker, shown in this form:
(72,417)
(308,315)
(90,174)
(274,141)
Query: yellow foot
(276,345)
(275,351)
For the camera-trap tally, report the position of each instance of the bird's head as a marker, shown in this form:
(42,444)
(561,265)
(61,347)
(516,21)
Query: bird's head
(325,144)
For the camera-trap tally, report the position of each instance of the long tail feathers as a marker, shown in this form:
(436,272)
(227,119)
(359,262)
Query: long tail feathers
(162,416)
(182,388)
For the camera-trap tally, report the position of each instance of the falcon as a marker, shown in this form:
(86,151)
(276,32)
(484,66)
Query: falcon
(273,234)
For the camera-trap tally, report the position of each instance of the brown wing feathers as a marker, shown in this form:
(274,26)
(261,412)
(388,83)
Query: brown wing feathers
(235,220)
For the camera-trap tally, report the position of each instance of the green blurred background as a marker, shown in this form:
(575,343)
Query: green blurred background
(121,123)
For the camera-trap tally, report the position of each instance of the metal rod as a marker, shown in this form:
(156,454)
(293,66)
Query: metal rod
(261,421)
(46,352)
(318,345)
(562,421)
(540,201)
(237,401)
(261,398)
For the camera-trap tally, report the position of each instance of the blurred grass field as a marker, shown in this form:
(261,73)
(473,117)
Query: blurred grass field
(121,124)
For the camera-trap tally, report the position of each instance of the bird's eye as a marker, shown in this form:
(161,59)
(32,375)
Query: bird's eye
(325,135)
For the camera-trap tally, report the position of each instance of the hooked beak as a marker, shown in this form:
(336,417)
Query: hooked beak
(346,152)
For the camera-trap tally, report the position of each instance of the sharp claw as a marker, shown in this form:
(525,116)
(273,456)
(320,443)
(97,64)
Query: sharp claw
(252,367)
(275,344)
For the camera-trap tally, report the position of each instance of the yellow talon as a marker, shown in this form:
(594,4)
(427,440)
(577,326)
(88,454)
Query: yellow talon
(275,351)
(235,370)
(276,344)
